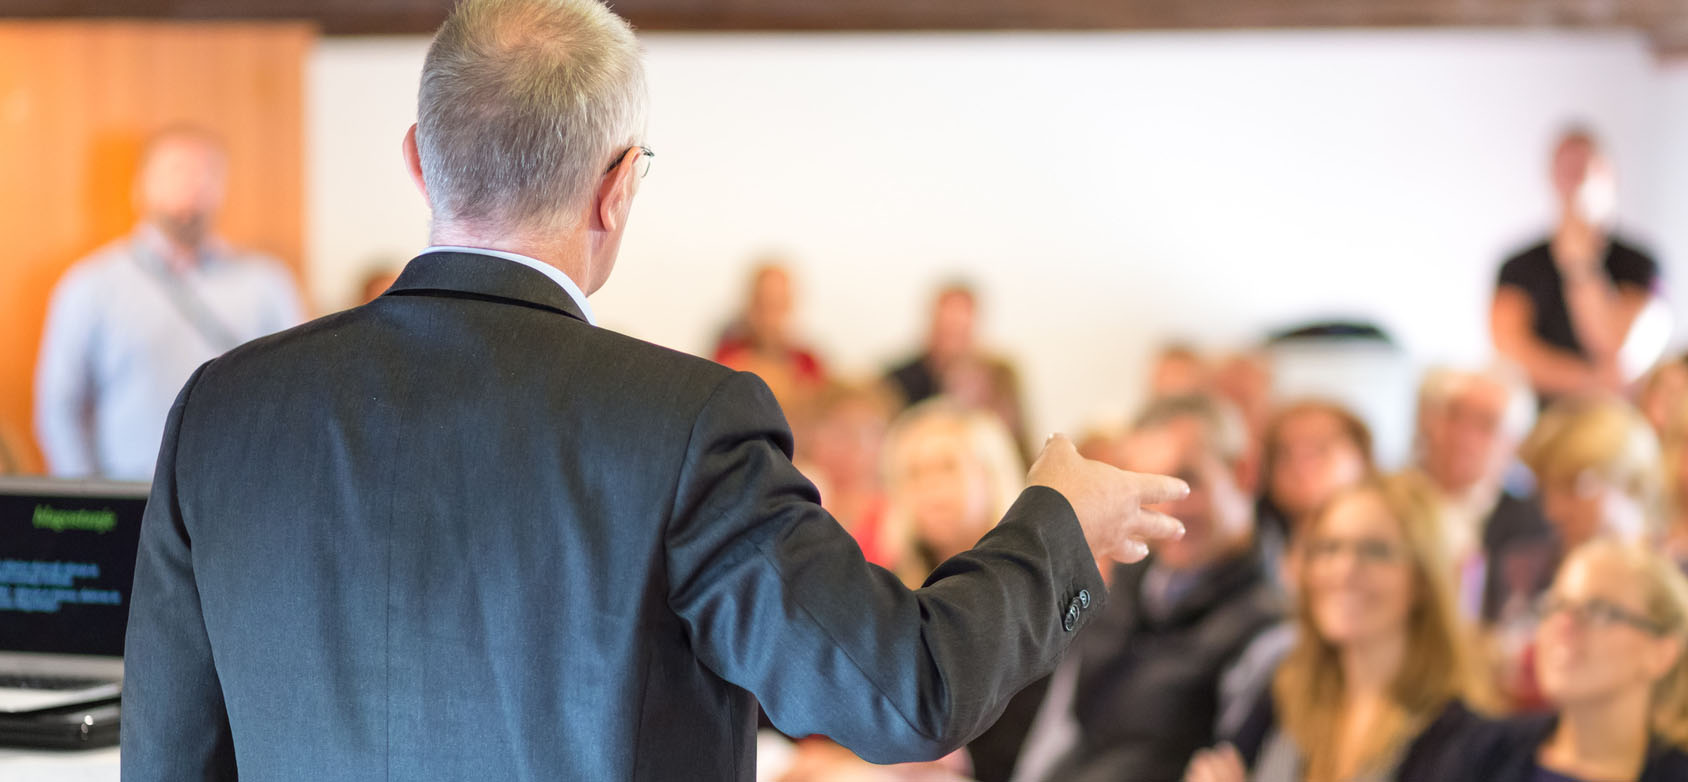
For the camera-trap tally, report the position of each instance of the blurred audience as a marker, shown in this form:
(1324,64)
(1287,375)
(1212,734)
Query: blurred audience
(1374,687)
(1245,380)
(127,326)
(1311,450)
(1566,308)
(762,338)
(953,364)
(1183,645)
(1469,426)
(1179,370)
(1599,472)
(840,433)
(1193,671)
(1612,662)
(950,473)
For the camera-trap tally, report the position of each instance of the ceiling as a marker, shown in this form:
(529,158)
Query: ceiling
(1664,22)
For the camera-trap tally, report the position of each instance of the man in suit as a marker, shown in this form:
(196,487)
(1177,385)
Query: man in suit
(461,533)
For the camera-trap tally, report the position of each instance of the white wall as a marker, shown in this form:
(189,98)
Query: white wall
(1106,191)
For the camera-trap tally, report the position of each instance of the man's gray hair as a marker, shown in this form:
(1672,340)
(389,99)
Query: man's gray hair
(1442,383)
(523,105)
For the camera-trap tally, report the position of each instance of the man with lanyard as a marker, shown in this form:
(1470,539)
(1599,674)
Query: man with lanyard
(128,325)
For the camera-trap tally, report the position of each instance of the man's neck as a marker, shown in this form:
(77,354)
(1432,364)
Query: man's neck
(1466,510)
(178,257)
(564,254)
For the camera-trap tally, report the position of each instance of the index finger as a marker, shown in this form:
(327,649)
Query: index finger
(1151,489)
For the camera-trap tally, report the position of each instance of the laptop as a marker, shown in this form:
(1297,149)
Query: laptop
(67,562)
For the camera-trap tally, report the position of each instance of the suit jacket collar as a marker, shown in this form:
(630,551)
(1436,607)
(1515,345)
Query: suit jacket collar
(475,276)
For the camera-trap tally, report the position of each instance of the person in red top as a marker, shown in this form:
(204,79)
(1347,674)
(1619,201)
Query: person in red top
(761,339)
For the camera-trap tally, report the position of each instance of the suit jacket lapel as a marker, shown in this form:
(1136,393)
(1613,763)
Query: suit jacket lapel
(483,277)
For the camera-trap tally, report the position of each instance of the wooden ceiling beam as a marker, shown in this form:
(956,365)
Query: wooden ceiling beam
(1664,21)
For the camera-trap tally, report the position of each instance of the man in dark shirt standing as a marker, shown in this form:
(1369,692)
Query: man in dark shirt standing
(1566,309)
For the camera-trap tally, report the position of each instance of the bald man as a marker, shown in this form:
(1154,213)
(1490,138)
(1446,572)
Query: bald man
(129,324)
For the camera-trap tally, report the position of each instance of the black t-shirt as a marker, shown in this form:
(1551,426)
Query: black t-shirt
(1534,272)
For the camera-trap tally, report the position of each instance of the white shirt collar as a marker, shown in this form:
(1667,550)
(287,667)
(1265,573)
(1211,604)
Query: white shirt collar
(542,267)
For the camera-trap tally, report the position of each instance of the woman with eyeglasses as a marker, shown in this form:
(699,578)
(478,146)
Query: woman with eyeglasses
(1374,688)
(1612,656)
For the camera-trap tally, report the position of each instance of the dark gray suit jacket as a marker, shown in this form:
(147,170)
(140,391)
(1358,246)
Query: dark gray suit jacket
(458,533)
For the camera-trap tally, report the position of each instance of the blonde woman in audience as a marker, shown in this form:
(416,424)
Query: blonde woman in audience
(1375,687)
(1598,469)
(1614,664)
(1599,474)
(950,472)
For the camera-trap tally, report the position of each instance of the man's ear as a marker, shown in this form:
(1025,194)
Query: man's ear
(615,193)
(413,162)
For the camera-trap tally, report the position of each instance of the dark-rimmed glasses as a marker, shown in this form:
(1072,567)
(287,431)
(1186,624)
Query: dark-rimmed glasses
(644,161)
(1596,613)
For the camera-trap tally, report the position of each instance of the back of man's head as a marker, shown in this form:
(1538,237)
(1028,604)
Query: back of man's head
(524,104)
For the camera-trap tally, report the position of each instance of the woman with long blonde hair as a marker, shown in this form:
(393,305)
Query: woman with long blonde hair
(1613,661)
(1375,686)
(950,473)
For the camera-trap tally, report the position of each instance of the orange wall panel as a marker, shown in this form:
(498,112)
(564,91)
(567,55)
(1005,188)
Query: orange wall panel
(78,100)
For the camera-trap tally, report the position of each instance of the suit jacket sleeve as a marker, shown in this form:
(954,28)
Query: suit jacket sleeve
(777,598)
(175,725)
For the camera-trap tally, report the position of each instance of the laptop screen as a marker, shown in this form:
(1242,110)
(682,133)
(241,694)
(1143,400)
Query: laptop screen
(67,561)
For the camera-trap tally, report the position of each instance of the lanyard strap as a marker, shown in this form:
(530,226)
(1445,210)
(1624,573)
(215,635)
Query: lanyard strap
(198,314)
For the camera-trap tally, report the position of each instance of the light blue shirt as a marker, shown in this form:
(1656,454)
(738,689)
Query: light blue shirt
(124,332)
(542,267)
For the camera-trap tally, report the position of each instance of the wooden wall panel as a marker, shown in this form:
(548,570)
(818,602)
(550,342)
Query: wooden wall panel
(78,100)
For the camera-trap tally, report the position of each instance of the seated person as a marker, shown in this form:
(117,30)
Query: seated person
(1312,449)
(1613,661)
(1598,469)
(1597,464)
(1184,642)
(1179,370)
(1501,547)
(950,472)
(840,436)
(762,339)
(1373,689)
